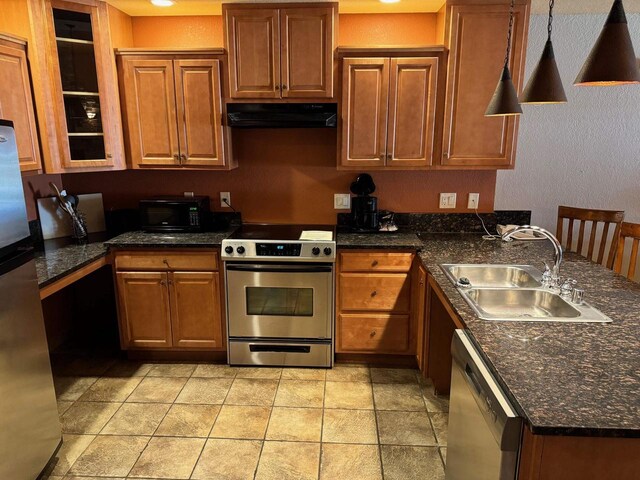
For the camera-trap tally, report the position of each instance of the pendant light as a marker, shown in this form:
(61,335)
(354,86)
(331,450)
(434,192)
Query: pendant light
(505,99)
(545,85)
(612,60)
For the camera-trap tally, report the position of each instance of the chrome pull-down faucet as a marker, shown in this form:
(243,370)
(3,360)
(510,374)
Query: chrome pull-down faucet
(555,272)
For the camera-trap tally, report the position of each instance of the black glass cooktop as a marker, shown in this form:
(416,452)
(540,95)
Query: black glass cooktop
(276,232)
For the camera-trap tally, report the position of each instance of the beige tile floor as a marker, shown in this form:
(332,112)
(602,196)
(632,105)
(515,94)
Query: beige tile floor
(125,419)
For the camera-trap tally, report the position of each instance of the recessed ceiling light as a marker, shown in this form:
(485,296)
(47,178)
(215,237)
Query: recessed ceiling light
(389,1)
(162,3)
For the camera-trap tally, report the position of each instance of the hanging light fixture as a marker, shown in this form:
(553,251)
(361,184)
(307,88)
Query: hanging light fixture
(505,99)
(545,85)
(612,60)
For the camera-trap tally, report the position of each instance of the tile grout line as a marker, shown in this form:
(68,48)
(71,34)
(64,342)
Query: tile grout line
(324,401)
(264,439)
(375,414)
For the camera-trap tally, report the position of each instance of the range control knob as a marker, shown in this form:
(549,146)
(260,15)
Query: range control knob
(327,251)
(315,251)
(240,249)
(228,250)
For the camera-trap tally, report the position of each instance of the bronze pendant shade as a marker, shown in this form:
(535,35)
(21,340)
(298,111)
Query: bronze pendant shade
(612,60)
(545,85)
(505,99)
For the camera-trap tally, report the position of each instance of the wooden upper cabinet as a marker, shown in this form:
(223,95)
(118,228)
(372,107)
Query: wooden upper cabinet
(145,314)
(16,103)
(150,111)
(84,92)
(389,106)
(174,109)
(253,43)
(365,98)
(195,307)
(199,110)
(412,111)
(281,52)
(477,42)
(306,37)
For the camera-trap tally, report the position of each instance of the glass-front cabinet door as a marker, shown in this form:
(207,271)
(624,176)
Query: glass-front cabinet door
(87,109)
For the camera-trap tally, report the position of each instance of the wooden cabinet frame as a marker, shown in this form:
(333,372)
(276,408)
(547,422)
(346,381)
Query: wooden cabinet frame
(276,72)
(171,309)
(60,161)
(186,140)
(16,103)
(393,81)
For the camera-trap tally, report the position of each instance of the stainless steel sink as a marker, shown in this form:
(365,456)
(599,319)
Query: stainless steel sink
(501,276)
(528,304)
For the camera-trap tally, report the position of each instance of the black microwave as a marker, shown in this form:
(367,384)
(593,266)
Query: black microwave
(174,214)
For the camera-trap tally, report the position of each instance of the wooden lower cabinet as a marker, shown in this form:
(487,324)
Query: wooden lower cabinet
(169,309)
(374,303)
(145,315)
(440,323)
(195,309)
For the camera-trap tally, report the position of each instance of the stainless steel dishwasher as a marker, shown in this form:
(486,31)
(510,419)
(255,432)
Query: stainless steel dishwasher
(484,429)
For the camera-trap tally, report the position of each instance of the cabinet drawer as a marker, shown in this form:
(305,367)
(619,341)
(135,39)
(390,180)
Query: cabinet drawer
(390,291)
(381,333)
(376,262)
(189,261)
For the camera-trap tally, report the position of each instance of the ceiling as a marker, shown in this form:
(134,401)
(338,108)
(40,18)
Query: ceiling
(212,7)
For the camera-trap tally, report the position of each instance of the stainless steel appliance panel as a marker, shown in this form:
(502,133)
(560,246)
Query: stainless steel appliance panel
(484,429)
(29,426)
(280,300)
(280,354)
(13,212)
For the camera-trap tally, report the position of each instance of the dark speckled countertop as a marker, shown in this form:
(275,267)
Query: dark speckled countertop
(381,240)
(139,239)
(57,261)
(565,379)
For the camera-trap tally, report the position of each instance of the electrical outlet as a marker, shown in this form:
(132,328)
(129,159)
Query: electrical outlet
(448,200)
(225,196)
(474,200)
(341,201)
(188,194)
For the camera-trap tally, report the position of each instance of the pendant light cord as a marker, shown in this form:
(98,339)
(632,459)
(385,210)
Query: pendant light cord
(550,24)
(511,14)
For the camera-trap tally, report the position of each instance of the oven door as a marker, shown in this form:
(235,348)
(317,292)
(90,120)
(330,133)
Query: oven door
(280,300)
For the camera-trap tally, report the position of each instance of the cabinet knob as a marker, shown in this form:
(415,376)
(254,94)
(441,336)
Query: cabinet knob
(374,293)
(284,87)
(176,157)
(166,262)
(163,283)
(374,263)
(388,157)
(445,154)
(372,334)
(109,155)
(183,157)
(382,155)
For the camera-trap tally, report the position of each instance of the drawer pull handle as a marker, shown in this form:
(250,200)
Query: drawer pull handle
(372,334)
(166,262)
(374,293)
(374,263)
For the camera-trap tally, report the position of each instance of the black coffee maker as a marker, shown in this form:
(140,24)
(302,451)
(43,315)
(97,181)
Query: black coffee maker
(364,208)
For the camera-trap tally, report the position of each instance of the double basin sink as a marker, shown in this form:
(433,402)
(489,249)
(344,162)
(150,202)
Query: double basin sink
(515,293)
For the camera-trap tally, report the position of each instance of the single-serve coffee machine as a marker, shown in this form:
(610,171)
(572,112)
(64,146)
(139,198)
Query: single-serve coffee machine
(364,207)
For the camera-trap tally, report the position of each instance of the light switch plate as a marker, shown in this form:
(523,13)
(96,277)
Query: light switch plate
(341,201)
(474,200)
(448,200)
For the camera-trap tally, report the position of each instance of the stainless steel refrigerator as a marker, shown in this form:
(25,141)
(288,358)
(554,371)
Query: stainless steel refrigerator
(29,426)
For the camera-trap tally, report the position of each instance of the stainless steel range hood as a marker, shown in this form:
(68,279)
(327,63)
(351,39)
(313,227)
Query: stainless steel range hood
(282,115)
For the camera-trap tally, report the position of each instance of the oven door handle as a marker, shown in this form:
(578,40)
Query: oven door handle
(293,268)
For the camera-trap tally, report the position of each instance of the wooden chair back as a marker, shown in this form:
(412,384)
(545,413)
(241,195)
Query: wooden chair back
(582,216)
(628,230)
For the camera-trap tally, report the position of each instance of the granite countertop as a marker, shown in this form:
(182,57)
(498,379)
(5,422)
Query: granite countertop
(57,261)
(564,379)
(139,239)
(380,240)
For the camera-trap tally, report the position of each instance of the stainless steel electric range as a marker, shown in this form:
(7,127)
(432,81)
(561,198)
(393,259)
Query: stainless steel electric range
(280,295)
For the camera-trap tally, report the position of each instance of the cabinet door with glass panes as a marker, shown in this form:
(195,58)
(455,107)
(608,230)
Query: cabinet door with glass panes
(88,122)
